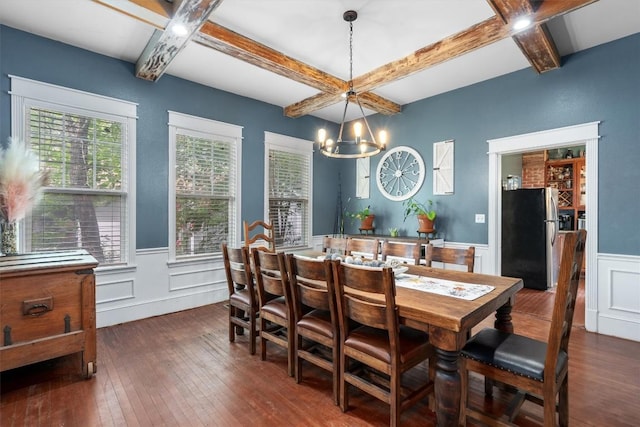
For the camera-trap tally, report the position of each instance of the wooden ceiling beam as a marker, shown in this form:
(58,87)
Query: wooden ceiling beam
(535,43)
(165,45)
(477,36)
(238,46)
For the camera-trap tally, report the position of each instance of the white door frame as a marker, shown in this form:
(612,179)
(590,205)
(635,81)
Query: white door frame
(586,134)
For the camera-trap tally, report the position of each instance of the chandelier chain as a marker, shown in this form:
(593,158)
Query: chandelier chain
(351,56)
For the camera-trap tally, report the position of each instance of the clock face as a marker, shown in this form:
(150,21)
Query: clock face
(400,173)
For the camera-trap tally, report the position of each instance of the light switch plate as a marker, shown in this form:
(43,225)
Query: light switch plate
(479,218)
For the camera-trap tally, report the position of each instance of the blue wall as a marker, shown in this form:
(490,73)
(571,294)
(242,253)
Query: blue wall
(41,59)
(599,84)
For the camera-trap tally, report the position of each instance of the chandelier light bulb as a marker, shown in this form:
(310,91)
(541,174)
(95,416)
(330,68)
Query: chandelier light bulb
(357,129)
(322,135)
(329,142)
(382,137)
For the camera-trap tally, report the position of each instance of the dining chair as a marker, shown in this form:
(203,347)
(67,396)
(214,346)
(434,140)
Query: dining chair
(334,245)
(276,317)
(375,350)
(451,256)
(407,251)
(259,234)
(243,300)
(537,369)
(316,338)
(368,247)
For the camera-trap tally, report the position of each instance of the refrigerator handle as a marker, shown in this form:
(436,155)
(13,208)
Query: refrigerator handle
(554,208)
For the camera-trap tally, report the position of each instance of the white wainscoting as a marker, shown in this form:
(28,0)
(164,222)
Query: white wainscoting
(154,287)
(618,310)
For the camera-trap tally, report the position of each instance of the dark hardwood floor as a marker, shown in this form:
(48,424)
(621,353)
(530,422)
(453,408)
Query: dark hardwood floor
(180,370)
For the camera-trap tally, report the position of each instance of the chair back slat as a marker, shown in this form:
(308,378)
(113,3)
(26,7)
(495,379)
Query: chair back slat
(311,283)
(366,295)
(237,267)
(271,275)
(365,246)
(334,245)
(457,256)
(264,235)
(401,250)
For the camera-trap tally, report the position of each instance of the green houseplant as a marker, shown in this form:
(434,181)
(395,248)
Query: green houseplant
(365,216)
(423,211)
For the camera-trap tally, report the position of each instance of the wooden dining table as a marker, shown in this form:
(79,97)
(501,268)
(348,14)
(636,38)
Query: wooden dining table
(449,320)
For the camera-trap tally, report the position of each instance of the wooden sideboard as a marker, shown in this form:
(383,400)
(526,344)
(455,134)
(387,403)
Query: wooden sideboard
(48,308)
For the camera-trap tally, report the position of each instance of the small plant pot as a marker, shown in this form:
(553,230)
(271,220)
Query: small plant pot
(367,222)
(425,225)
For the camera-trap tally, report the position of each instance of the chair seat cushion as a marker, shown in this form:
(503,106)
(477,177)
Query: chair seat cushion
(511,352)
(318,321)
(375,343)
(277,307)
(241,296)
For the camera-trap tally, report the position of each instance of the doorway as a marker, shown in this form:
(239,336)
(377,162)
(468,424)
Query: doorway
(584,134)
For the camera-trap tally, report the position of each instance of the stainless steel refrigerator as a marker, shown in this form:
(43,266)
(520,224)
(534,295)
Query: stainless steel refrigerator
(529,233)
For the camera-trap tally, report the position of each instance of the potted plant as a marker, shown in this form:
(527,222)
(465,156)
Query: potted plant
(365,216)
(423,211)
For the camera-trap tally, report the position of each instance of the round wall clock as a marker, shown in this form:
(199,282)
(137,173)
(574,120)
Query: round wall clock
(400,173)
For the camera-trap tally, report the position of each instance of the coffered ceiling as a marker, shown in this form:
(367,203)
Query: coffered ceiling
(295,53)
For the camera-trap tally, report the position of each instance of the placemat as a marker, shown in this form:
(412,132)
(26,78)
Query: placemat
(466,291)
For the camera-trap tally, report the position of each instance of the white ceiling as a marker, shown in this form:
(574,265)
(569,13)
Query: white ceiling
(314,32)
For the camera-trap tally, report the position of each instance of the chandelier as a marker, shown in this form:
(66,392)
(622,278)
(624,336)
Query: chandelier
(363,144)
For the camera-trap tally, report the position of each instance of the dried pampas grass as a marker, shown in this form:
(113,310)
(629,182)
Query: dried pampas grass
(21,181)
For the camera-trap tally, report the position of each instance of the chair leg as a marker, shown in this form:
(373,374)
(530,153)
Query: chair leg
(291,351)
(344,387)
(394,404)
(563,402)
(336,373)
(252,333)
(263,341)
(232,327)
(464,393)
(297,360)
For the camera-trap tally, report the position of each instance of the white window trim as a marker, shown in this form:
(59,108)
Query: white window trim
(292,145)
(23,89)
(206,127)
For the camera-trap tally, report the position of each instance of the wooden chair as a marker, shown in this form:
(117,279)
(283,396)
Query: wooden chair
(276,317)
(408,251)
(369,247)
(243,300)
(378,350)
(451,256)
(316,337)
(537,369)
(262,232)
(334,245)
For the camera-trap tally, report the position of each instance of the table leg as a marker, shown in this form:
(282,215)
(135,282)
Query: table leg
(447,388)
(503,318)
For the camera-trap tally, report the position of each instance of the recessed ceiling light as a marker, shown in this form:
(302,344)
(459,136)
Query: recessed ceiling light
(179,30)
(521,23)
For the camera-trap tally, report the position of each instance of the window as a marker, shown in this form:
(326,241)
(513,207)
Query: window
(205,188)
(288,181)
(86,143)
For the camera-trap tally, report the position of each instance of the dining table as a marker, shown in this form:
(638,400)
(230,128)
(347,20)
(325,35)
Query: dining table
(448,317)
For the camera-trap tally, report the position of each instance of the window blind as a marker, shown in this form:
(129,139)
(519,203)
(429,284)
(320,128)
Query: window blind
(289,197)
(205,180)
(85,200)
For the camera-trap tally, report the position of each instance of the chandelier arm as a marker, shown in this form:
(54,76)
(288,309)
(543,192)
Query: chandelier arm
(364,118)
(344,115)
